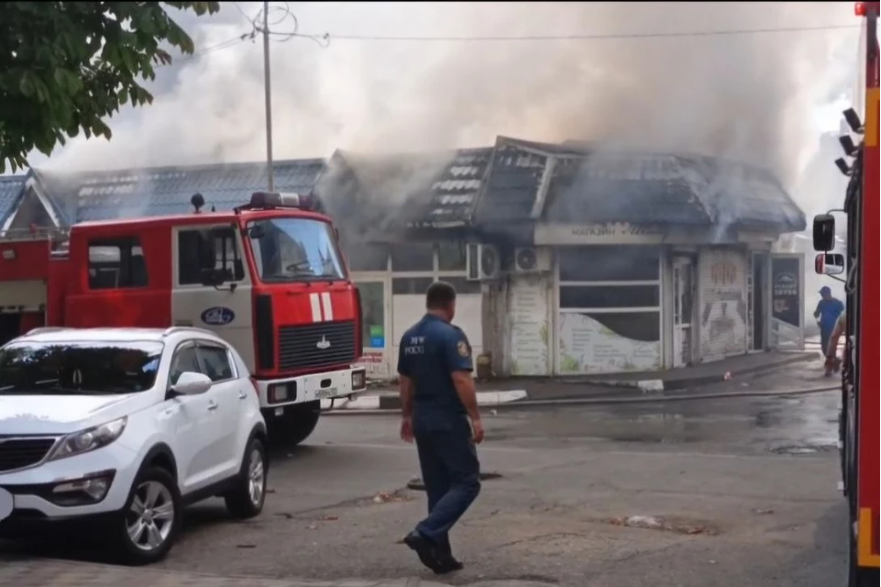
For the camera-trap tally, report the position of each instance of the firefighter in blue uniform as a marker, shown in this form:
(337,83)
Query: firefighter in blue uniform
(439,409)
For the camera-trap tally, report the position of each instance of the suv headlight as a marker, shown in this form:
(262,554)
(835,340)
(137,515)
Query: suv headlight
(88,440)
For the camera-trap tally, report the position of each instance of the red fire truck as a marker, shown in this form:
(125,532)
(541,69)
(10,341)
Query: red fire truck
(268,277)
(860,385)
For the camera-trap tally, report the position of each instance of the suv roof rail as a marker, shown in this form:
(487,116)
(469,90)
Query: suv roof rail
(173,329)
(42,329)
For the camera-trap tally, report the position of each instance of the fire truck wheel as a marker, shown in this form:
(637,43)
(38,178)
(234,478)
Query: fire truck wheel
(249,493)
(296,425)
(149,523)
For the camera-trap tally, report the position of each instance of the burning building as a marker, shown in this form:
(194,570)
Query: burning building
(569,258)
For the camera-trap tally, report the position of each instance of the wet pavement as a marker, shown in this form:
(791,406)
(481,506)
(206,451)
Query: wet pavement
(686,494)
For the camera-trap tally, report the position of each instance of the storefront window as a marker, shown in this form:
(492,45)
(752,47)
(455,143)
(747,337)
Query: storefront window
(610,315)
(413,257)
(451,256)
(373,312)
(604,263)
(367,257)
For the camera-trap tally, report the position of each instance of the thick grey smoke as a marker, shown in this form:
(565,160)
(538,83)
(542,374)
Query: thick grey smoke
(748,96)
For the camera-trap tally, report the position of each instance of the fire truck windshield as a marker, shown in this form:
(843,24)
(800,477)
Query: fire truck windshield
(295,249)
(78,368)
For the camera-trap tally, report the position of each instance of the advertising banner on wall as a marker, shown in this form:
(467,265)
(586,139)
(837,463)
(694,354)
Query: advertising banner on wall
(786,291)
(787,301)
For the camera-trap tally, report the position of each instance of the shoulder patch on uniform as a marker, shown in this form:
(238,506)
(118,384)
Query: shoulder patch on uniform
(463,349)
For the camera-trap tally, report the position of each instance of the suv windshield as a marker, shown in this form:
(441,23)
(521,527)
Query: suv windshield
(86,368)
(295,249)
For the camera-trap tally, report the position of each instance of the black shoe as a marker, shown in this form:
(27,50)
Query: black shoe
(427,552)
(449,563)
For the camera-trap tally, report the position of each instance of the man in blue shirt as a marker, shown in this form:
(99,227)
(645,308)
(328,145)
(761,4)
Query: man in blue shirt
(827,313)
(438,399)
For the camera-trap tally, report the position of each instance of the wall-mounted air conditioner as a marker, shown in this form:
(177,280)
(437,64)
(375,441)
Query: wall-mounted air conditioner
(483,262)
(532,260)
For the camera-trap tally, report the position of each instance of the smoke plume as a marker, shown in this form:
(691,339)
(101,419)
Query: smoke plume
(743,96)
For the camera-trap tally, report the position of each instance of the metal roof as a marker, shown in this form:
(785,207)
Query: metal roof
(105,195)
(612,187)
(11,188)
(489,187)
(425,190)
(588,185)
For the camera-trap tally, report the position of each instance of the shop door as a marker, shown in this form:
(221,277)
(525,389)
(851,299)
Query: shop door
(787,301)
(683,310)
(375,326)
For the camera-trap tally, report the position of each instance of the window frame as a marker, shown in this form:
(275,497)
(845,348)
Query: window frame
(196,343)
(200,228)
(659,309)
(435,273)
(124,243)
(659,283)
(233,367)
(257,258)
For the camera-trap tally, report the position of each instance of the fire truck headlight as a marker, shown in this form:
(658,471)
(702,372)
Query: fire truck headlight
(359,380)
(282,392)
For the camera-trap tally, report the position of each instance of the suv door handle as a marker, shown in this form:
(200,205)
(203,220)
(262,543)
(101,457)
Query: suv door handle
(212,405)
(243,395)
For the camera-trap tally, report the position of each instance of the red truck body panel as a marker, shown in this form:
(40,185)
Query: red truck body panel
(867,345)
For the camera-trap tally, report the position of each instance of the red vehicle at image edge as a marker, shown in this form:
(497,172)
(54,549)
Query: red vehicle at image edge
(268,277)
(860,384)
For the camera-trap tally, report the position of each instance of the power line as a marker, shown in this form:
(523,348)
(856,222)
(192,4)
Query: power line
(232,42)
(575,37)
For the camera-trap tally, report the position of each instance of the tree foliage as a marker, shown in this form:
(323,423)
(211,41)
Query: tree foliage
(66,66)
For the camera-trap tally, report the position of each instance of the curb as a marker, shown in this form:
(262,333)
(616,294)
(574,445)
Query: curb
(659,385)
(389,403)
(608,400)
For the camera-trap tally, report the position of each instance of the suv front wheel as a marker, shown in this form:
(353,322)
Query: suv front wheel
(149,524)
(248,495)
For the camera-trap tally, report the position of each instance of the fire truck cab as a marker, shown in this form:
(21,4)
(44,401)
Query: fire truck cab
(859,271)
(268,277)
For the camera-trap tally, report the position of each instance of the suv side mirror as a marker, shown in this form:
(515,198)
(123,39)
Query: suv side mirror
(829,264)
(824,232)
(190,383)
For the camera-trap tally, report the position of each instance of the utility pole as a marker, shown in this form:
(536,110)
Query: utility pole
(267,82)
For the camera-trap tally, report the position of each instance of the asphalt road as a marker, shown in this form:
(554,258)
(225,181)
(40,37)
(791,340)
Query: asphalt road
(735,492)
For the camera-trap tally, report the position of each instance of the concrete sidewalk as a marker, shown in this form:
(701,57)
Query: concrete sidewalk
(674,382)
(704,374)
(21,572)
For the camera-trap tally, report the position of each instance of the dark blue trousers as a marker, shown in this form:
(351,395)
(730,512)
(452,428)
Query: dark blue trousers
(450,472)
(825,336)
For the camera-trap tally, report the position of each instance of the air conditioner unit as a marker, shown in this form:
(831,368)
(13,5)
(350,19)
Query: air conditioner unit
(532,260)
(483,262)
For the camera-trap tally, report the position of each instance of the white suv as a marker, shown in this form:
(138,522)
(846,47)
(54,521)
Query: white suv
(126,426)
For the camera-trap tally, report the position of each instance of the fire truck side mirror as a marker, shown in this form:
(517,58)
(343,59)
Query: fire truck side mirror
(829,264)
(213,277)
(824,232)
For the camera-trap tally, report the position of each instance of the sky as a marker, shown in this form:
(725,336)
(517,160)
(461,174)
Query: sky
(650,77)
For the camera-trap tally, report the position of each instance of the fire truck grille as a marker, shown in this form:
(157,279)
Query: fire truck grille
(18,453)
(316,345)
